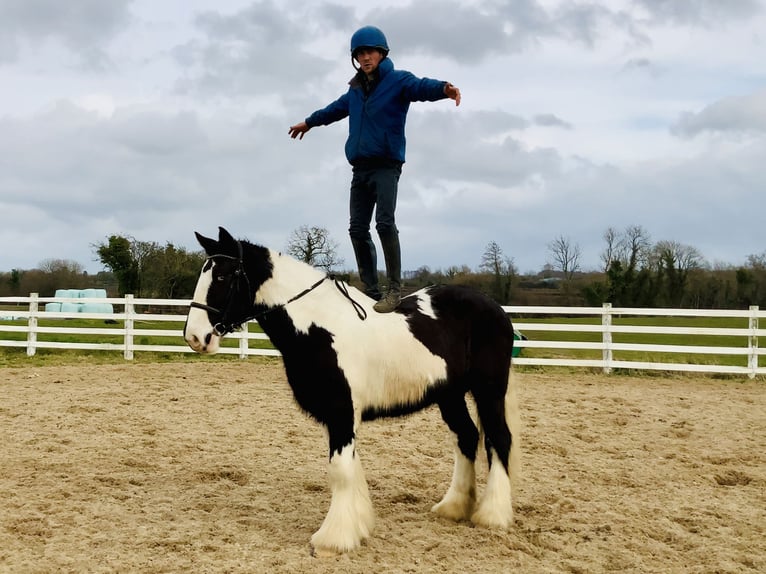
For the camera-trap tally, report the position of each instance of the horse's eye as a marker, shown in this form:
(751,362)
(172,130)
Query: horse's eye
(220,278)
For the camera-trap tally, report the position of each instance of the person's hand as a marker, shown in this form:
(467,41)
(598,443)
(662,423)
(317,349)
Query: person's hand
(298,130)
(452,92)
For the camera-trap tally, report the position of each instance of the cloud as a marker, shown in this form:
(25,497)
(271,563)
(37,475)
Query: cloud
(160,174)
(261,49)
(551,120)
(474,147)
(641,65)
(582,22)
(554,136)
(446,29)
(471,33)
(85,27)
(700,12)
(736,114)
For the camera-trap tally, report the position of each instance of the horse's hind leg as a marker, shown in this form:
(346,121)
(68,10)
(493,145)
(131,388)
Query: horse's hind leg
(495,403)
(458,502)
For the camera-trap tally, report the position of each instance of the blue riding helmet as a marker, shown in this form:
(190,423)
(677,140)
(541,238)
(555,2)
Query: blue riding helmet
(369,37)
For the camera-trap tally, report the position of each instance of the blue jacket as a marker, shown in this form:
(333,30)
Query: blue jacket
(376,120)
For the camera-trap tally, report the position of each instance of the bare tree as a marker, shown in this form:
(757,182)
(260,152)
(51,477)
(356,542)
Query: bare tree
(566,256)
(673,262)
(61,266)
(59,273)
(314,246)
(501,268)
(630,247)
(635,247)
(677,255)
(492,259)
(611,250)
(456,270)
(757,261)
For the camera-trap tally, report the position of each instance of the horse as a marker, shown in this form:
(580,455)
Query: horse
(346,364)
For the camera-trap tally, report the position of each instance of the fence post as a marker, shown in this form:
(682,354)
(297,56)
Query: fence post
(606,323)
(129,314)
(243,342)
(752,360)
(32,325)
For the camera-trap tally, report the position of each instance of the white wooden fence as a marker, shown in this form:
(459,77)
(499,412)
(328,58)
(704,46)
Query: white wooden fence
(749,333)
(133,317)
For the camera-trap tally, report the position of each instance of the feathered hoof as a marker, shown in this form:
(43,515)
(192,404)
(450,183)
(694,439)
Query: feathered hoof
(492,519)
(454,508)
(327,541)
(320,552)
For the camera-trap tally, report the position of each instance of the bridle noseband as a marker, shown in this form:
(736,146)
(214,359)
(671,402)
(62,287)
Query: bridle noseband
(225,325)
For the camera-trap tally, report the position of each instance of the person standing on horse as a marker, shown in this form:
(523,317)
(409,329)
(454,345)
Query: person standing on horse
(376,103)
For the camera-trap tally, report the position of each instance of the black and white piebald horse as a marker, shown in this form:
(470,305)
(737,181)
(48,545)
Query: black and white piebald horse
(346,363)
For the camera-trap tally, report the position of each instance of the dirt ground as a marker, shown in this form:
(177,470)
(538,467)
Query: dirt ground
(210,467)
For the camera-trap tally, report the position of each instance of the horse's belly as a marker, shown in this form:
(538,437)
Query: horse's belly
(402,391)
(388,377)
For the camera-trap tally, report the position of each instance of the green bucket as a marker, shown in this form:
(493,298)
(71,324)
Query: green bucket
(517,336)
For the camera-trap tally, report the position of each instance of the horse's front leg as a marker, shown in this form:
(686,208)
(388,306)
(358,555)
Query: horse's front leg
(350,518)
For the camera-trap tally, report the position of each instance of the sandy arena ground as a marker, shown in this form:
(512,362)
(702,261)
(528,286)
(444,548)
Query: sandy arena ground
(210,467)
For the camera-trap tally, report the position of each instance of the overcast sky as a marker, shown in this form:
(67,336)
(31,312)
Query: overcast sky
(155,119)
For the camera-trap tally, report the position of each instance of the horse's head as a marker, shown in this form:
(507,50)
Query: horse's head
(224,295)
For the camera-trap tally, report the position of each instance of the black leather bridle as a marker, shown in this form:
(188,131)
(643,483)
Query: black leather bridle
(227,325)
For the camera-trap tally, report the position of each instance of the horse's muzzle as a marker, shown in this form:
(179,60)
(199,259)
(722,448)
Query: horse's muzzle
(207,344)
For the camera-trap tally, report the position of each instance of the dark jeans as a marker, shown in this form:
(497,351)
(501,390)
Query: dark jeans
(374,186)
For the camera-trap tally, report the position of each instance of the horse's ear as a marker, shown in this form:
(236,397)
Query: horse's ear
(225,238)
(209,245)
(224,235)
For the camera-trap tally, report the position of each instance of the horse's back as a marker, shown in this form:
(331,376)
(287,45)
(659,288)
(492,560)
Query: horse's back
(459,304)
(457,318)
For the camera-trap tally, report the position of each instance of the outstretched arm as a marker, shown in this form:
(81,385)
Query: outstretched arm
(298,130)
(452,92)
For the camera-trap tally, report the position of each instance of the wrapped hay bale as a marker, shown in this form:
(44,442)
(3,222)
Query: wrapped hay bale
(97,308)
(84,307)
(71,307)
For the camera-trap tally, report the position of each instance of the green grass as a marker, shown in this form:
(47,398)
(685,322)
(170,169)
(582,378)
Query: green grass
(16,356)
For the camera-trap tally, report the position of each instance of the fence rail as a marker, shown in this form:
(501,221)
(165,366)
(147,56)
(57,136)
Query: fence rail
(20,327)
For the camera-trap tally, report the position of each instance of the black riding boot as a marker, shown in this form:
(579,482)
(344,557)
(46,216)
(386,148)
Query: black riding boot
(367,263)
(393,256)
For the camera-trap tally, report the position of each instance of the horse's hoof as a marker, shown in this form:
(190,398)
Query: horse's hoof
(453,509)
(321,552)
(492,520)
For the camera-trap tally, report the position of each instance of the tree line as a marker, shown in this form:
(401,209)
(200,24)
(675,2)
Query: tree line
(143,268)
(635,272)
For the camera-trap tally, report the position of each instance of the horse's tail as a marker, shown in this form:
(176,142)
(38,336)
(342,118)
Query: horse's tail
(513,420)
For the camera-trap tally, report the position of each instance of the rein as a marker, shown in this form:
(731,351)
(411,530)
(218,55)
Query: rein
(222,327)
